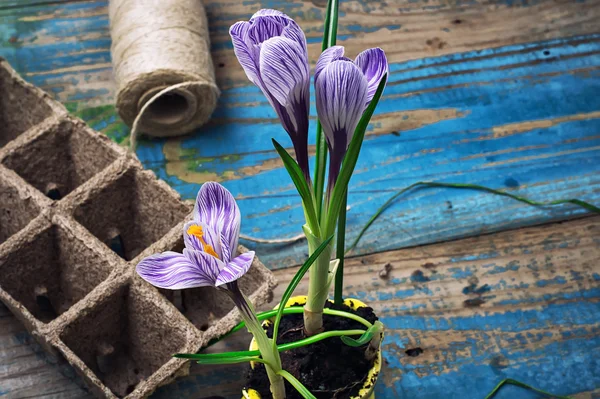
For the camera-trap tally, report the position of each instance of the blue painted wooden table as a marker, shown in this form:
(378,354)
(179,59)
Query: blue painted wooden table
(499,93)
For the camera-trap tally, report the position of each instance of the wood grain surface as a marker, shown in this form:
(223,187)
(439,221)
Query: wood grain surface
(521,303)
(500,93)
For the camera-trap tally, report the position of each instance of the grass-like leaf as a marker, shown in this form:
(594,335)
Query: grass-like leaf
(301,185)
(293,310)
(320,167)
(297,384)
(350,160)
(331,24)
(329,39)
(223,358)
(362,340)
(510,381)
(340,252)
(574,201)
(223,355)
(294,283)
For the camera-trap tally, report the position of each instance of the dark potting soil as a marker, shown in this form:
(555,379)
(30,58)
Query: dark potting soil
(328,368)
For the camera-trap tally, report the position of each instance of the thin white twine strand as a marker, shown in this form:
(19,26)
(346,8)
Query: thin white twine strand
(273,241)
(133,143)
(136,122)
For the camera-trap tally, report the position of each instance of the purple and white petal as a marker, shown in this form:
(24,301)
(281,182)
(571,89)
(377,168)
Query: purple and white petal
(263,28)
(209,265)
(327,57)
(268,12)
(293,31)
(228,252)
(216,207)
(341,93)
(172,270)
(289,27)
(235,269)
(373,63)
(245,52)
(285,72)
(190,241)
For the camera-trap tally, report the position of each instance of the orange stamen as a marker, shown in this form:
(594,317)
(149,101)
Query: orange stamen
(196,231)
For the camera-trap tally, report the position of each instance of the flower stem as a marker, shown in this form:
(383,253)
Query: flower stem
(265,346)
(318,287)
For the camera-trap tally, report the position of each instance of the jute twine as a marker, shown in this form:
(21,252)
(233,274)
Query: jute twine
(163,69)
(162,65)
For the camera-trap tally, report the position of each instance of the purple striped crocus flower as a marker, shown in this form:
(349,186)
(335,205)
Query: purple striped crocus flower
(344,88)
(271,48)
(211,241)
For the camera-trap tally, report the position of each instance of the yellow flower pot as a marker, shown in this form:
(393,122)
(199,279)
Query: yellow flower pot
(367,390)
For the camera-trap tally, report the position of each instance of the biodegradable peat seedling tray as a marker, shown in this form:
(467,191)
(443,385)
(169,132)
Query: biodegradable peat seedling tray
(77,213)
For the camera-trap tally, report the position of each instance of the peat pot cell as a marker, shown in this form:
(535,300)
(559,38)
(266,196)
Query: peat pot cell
(205,306)
(20,107)
(52,272)
(16,209)
(125,338)
(61,159)
(131,212)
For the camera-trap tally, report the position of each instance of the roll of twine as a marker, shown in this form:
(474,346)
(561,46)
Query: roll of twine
(162,65)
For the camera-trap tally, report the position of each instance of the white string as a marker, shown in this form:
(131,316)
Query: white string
(136,122)
(273,241)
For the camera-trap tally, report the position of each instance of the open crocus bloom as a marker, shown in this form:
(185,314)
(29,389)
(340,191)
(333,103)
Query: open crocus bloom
(211,241)
(271,48)
(344,89)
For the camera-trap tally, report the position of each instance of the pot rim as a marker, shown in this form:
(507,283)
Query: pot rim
(366,392)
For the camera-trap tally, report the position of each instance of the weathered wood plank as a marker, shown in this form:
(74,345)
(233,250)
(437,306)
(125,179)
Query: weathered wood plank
(26,371)
(523,304)
(520,304)
(515,109)
(499,93)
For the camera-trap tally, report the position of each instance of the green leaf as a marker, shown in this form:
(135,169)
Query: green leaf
(294,283)
(333,268)
(301,185)
(510,381)
(223,358)
(350,160)
(232,360)
(198,356)
(368,335)
(331,23)
(362,340)
(272,313)
(340,252)
(320,168)
(297,384)
(329,39)
(574,201)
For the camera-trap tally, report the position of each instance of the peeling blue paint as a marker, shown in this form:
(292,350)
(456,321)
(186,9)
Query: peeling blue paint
(555,281)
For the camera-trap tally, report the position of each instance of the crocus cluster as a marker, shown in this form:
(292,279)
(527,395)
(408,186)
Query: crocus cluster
(271,48)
